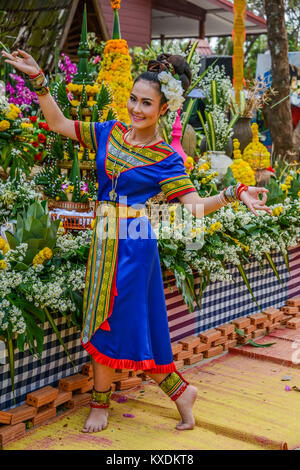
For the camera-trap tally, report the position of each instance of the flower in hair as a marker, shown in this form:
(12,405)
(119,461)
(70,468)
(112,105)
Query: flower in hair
(172,89)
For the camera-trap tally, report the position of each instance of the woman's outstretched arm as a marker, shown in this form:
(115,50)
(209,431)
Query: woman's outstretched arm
(53,115)
(200,207)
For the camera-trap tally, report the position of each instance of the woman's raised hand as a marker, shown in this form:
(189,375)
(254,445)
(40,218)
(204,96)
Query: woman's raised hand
(252,201)
(25,64)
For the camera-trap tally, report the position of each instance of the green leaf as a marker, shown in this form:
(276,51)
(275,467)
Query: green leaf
(252,343)
(52,323)
(12,241)
(272,264)
(188,113)
(208,140)
(191,53)
(11,360)
(243,274)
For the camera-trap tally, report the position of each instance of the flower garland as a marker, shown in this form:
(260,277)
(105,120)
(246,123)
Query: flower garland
(241,169)
(256,154)
(238,37)
(116,68)
(116,73)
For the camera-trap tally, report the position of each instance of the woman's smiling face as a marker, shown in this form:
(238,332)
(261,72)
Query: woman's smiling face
(144,105)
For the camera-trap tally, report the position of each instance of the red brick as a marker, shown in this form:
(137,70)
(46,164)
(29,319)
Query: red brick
(74,382)
(213,351)
(241,322)
(272,313)
(200,348)
(88,387)
(183,355)
(258,319)
(43,416)
(210,335)
(258,332)
(87,369)
(113,387)
(225,329)
(294,302)
(124,374)
(244,339)
(278,324)
(42,397)
(11,433)
(229,344)
(193,359)
(145,376)
(249,329)
(176,348)
(285,318)
(22,413)
(290,310)
(62,397)
(5,417)
(294,323)
(232,336)
(128,383)
(218,341)
(79,399)
(179,364)
(190,342)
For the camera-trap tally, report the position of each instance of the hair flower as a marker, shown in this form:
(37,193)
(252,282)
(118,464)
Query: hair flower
(172,89)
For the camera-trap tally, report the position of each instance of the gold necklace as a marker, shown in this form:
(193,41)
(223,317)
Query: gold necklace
(140,143)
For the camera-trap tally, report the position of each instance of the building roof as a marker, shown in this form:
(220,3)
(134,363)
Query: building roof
(181,19)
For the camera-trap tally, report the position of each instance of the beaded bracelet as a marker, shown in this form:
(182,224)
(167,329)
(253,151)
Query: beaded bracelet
(39,83)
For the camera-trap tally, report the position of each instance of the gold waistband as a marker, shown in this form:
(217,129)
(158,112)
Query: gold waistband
(123,212)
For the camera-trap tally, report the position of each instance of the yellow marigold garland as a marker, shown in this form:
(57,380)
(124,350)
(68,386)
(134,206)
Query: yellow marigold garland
(238,37)
(256,154)
(241,169)
(115,4)
(116,73)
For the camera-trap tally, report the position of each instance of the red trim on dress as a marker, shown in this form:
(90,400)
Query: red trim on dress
(77,132)
(148,365)
(180,193)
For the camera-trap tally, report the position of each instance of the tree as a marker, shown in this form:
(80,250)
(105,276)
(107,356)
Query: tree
(280,118)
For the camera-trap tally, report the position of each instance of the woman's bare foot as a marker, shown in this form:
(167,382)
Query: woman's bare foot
(96,421)
(184,405)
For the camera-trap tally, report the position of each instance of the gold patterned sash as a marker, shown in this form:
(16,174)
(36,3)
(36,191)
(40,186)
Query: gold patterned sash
(100,281)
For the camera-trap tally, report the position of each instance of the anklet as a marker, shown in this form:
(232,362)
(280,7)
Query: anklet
(100,399)
(174,385)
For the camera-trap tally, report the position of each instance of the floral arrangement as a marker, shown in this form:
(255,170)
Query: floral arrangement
(256,154)
(217,129)
(20,95)
(67,67)
(116,73)
(15,194)
(217,88)
(240,168)
(252,98)
(203,178)
(15,149)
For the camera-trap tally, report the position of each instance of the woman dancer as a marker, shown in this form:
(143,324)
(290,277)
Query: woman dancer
(125,321)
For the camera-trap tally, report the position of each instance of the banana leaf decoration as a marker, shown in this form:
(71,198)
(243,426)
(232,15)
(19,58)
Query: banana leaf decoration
(272,264)
(243,274)
(52,323)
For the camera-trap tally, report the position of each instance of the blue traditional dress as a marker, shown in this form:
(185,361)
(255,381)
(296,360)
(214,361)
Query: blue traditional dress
(125,321)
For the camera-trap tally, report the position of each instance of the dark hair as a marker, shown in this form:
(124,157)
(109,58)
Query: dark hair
(175,64)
